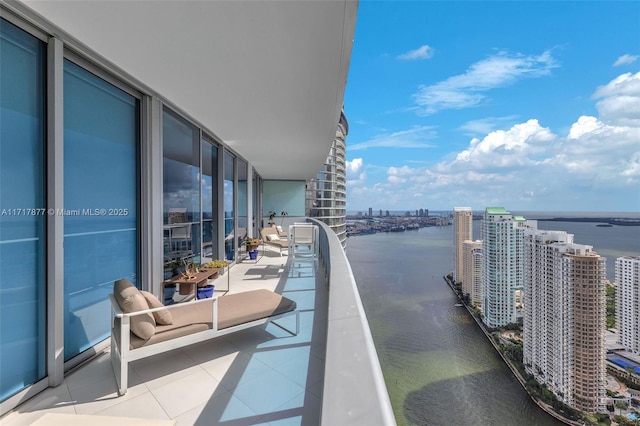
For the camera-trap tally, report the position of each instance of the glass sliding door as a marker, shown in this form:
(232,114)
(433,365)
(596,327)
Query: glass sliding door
(230,242)
(209,201)
(243,225)
(181,190)
(256,204)
(101,181)
(22,210)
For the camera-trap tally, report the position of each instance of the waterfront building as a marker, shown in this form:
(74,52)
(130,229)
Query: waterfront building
(564,318)
(628,302)
(462,231)
(326,193)
(172,128)
(472,271)
(502,262)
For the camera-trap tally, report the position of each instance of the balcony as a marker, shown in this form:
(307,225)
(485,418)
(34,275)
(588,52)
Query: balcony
(328,374)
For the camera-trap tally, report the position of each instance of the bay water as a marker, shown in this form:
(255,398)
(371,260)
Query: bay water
(438,366)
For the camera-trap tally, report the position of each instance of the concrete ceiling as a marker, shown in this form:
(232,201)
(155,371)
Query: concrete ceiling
(266,77)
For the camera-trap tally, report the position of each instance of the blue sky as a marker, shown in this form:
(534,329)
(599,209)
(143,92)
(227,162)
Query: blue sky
(526,105)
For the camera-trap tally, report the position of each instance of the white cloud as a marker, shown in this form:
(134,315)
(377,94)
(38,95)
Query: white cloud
(518,146)
(625,59)
(467,90)
(356,175)
(525,166)
(484,125)
(422,52)
(619,100)
(354,166)
(415,137)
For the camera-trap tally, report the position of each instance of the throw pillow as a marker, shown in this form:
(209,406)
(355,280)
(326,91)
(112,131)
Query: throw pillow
(131,300)
(273,237)
(161,317)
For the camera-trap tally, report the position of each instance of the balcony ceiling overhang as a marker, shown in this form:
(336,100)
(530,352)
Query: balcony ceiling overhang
(266,77)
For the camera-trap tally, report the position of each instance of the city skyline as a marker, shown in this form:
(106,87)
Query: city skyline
(481,104)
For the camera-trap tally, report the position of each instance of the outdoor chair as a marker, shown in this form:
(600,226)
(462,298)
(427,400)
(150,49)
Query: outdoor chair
(141,326)
(271,238)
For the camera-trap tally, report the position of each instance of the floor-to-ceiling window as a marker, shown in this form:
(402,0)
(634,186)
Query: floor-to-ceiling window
(181,188)
(229,206)
(101,193)
(22,210)
(256,181)
(209,200)
(243,222)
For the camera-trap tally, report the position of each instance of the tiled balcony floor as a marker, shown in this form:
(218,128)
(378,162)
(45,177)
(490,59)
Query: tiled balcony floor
(257,376)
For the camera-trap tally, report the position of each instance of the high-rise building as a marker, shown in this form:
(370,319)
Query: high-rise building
(462,231)
(501,265)
(564,317)
(326,194)
(370,212)
(472,271)
(628,302)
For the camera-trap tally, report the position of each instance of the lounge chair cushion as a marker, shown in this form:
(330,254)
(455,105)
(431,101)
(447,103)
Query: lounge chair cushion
(273,237)
(239,308)
(130,300)
(161,317)
(233,309)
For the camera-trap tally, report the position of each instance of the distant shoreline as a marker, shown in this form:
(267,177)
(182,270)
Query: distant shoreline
(608,220)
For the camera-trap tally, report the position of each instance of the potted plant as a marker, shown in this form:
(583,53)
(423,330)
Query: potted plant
(217,264)
(252,247)
(272,218)
(205,291)
(283,214)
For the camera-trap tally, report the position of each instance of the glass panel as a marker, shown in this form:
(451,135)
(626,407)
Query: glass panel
(256,202)
(101,202)
(229,240)
(243,224)
(181,186)
(22,230)
(209,201)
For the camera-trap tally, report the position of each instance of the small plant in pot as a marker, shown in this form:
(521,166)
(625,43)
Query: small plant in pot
(252,247)
(272,218)
(217,264)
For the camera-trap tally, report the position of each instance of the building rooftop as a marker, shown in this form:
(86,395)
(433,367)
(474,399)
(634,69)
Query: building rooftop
(496,210)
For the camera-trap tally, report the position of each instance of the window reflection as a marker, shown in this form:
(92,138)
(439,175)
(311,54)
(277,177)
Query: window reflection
(229,196)
(209,201)
(242,202)
(181,189)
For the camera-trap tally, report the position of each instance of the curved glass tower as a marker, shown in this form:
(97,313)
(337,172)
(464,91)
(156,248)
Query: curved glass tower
(326,198)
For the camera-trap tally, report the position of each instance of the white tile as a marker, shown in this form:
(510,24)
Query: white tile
(161,369)
(303,409)
(187,392)
(52,400)
(228,370)
(97,370)
(98,396)
(211,351)
(266,392)
(222,409)
(143,406)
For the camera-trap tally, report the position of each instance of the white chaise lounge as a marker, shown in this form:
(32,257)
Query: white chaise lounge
(141,326)
(271,238)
